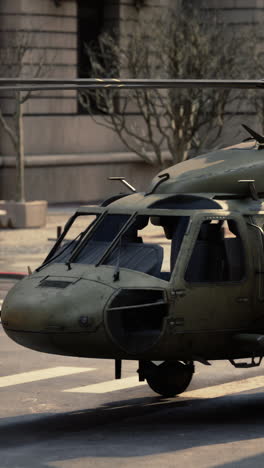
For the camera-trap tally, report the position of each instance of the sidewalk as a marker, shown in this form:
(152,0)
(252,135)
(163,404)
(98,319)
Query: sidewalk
(20,248)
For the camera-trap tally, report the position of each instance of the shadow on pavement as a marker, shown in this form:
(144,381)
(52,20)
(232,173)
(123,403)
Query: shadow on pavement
(132,428)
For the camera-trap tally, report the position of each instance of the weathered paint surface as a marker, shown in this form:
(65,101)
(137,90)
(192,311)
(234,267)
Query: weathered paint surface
(201,318)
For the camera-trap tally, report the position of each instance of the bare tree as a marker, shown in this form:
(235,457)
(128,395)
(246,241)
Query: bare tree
(174,46)
(19,60)
(256,95)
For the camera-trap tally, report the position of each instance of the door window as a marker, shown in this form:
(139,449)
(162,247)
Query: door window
(218,253)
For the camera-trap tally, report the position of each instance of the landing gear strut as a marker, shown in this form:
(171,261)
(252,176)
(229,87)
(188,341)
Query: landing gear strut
(169,378)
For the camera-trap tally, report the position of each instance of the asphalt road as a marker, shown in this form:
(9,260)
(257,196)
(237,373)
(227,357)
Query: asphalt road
(59,412)
(52,415)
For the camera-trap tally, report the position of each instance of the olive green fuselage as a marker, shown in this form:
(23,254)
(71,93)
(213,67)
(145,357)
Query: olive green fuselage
(68,311)
(107,310)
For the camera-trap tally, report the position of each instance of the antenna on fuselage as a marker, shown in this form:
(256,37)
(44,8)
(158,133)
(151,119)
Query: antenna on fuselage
(125,182)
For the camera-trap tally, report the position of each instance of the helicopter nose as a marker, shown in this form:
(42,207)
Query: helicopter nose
(36,310)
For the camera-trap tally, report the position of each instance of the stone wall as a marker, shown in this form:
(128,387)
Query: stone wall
(76,178)
(236,11)
(52,34)
(69,157)
(52,125)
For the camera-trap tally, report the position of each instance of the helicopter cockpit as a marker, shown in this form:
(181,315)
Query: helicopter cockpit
(148,242)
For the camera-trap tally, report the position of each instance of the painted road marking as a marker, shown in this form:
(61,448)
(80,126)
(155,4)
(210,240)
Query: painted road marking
(237,386)
(214,391)
(41,374)
(110,386)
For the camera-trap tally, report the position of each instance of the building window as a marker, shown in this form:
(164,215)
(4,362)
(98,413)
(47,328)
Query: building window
(90,25)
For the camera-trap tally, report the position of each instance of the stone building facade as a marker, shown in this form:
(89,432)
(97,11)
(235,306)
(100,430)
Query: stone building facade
(69,157)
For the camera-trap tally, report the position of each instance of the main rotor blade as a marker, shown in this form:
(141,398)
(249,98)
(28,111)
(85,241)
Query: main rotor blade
(40,84)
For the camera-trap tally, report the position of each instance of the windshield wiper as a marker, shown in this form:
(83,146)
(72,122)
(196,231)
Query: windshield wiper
(63,250)
(81,245)
(116,274)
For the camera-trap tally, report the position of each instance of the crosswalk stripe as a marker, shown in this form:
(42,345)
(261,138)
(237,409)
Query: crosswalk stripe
(41,374)
(237,386)
(110,386)
(214,391)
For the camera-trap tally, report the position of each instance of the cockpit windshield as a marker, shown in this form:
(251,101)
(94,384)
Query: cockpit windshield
(145,243)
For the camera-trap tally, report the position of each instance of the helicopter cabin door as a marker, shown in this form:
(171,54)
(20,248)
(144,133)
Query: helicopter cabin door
(211,284)
(256,240)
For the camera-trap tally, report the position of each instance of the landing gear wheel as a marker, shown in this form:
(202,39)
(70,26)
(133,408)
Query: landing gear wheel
(169,378)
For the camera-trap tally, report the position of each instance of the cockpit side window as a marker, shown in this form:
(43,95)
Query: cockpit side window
(75,229)
(218,253)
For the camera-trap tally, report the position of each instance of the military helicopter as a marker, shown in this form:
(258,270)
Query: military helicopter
(105,292)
